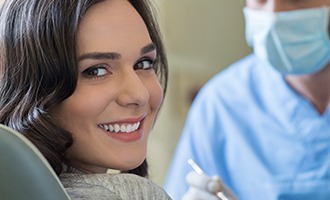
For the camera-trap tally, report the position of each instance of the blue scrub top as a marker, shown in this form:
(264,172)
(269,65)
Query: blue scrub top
(263,139)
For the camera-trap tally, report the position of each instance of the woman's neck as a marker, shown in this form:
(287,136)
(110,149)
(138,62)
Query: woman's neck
(315,87)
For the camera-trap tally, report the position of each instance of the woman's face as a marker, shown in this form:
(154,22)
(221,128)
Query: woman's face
(118,95)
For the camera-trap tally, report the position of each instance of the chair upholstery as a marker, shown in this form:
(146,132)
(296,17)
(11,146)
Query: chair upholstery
(24,173)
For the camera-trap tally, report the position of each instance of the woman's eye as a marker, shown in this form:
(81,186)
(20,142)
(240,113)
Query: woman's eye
(96,71)
(145,64)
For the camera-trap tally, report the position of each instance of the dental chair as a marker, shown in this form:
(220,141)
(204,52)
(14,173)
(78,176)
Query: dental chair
(24,172)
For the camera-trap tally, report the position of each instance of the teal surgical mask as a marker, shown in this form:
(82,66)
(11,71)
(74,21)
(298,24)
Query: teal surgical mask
(293,42)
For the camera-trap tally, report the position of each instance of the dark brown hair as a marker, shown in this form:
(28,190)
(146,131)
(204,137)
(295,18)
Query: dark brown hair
(38,68)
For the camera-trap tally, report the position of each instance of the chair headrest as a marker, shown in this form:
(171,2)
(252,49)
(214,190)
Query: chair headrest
(24,171)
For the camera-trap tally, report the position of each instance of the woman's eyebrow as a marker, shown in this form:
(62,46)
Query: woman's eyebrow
(148,48)
(112,55)
(100,56)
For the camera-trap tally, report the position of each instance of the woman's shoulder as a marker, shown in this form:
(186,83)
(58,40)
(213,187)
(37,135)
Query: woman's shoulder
(111,186)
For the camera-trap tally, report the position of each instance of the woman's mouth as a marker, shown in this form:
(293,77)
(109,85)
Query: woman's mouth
(128,130)
(120,128)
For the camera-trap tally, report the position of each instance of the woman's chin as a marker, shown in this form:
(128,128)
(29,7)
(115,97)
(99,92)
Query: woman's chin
(130,164)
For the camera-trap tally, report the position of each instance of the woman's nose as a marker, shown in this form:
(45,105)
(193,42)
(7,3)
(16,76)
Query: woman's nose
(133,91)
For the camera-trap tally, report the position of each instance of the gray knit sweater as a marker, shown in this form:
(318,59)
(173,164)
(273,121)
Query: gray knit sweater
(111,187)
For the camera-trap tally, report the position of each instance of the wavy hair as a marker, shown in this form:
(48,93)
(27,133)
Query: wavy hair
(38,68)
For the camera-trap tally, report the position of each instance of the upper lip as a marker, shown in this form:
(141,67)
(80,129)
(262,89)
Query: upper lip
(129,120)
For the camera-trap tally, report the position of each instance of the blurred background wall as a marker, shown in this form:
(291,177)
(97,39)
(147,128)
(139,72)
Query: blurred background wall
(202,37)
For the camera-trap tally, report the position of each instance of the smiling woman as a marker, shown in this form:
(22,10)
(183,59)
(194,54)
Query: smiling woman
(84,81)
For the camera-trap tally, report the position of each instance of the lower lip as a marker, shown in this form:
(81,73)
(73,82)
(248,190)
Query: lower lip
(128,137)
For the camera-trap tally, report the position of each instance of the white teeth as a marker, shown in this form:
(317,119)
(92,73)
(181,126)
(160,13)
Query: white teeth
(129,128)
(106,127)
(110,129)
(124,128)
(117,128)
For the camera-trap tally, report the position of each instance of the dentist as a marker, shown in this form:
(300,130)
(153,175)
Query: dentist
(263,125)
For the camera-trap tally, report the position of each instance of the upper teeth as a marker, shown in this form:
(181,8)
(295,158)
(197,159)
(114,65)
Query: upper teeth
(125,128)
